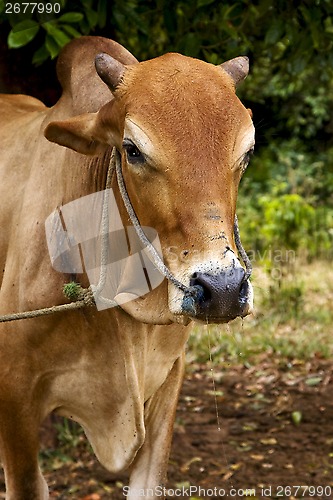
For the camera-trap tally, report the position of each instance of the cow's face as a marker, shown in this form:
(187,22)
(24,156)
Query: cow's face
(185,140)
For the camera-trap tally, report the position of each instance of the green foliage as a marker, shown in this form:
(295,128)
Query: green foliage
(286,199)
(69,434)
(294,165)
(281,35)
(287,220)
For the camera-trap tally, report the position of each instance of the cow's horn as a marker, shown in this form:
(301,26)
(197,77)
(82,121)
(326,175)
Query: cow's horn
(237,68)
(110,70)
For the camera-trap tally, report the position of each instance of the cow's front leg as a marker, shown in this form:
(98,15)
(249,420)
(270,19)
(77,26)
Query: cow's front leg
(19,447)
(149,468)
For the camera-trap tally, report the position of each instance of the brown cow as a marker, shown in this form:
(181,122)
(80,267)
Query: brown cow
(184,139)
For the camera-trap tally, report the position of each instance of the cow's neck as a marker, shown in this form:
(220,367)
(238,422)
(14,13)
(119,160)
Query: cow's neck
(87,175)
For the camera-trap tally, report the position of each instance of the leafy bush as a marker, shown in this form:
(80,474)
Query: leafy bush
(287,220)
(286,199)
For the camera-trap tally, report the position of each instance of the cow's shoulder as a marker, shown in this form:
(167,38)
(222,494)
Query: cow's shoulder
(83,90)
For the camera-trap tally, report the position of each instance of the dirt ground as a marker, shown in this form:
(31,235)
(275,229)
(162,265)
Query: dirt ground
(265,428)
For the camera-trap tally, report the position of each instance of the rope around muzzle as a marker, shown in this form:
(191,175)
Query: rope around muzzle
(85,297)
(241,251)
(192,294)
(153,254)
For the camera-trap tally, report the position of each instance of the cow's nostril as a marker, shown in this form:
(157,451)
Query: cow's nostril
(244,292)
(198,280)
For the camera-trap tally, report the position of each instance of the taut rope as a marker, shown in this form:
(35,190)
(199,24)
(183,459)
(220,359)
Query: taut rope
(85,299)
(241,251)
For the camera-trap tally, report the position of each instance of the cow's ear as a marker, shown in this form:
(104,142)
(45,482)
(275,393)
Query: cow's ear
(82,133)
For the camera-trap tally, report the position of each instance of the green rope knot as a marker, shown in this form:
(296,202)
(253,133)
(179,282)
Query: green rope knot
(74,292)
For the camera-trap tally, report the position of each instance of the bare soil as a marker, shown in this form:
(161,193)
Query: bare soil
(265,427)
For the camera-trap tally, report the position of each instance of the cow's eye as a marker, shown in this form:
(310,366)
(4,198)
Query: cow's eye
(133,153)
(246,159)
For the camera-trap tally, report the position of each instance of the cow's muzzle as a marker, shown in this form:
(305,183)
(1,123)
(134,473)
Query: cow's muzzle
(218,298)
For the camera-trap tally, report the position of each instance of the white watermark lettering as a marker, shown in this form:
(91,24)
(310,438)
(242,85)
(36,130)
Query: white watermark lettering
(80,238)
(188,492)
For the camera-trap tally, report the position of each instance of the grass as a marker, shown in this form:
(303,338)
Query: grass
(70,435)
(293,319)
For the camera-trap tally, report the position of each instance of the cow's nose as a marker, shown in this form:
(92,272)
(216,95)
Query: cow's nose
(221,297)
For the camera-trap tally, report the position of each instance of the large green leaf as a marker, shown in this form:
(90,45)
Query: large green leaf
(67,28)
(170,20)
(275,32)
(51,46)
(22,33)
(201,3)
(41,55)
(191,44)
(102,13)
(56,33)
(328,25)
(92,17)
(71,17)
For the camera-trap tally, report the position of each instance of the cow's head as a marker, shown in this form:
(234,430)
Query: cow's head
(185,140)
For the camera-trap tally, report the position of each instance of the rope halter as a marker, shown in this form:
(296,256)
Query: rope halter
(192,294)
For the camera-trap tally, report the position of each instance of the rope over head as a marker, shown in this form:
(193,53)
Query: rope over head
(191,293)
(241,251)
